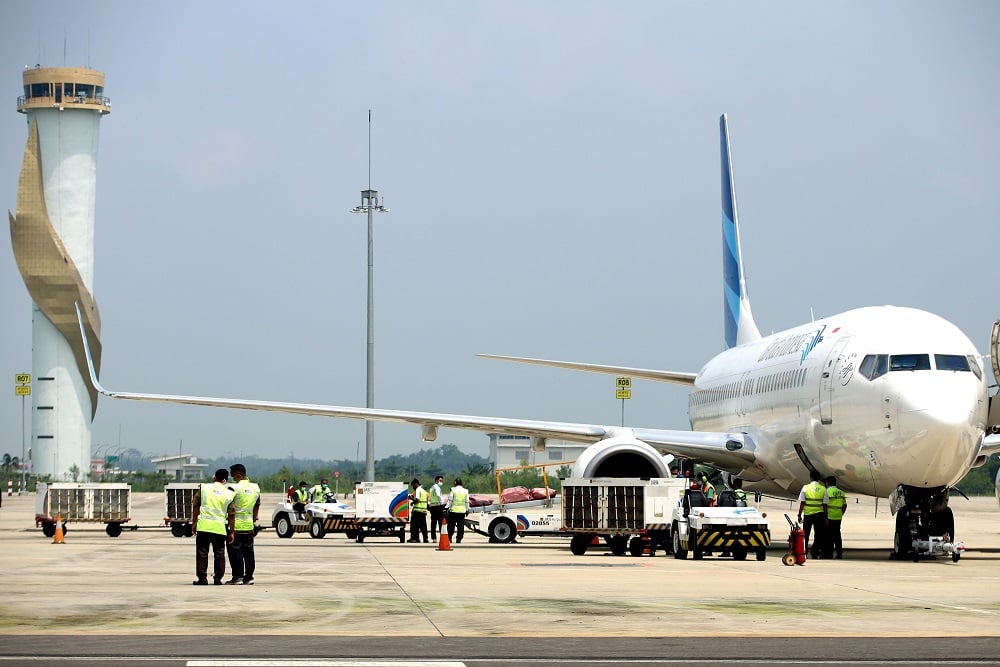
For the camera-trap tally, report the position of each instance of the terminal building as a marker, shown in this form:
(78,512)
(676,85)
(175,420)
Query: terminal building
(52,235)
(508,451)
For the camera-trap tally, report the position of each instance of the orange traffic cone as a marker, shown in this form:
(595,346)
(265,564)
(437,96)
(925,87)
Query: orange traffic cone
(444,542)
(59,539)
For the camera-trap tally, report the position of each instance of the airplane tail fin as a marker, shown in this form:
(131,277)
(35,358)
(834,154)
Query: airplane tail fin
(740,326)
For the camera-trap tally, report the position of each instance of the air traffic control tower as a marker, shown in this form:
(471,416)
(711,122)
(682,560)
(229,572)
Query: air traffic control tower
(52,233)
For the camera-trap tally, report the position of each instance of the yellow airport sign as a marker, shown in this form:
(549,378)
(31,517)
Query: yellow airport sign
(623,394)
(623,382)
(22,378)
(22,390)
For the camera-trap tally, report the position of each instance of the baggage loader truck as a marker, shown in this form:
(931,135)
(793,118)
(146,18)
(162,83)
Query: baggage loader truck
(107,503)
(540,513)
(631,515)
(382,509)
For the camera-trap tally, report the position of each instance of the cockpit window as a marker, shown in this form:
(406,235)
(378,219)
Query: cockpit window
(974,365)
(910,362)
(951,362)
(874,365)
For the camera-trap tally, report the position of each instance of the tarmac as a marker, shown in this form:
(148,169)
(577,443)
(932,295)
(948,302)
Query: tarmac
(139,584)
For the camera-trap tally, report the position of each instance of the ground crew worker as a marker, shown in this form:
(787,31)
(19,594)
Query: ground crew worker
(458,505)
(813,501)
(418,511)
(317,494)
(435,503)
(741,495)
(834,514)
(300,499)
(212,522)
(708,489)
(246,506)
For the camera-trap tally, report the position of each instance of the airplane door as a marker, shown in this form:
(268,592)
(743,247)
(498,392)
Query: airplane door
(827,381)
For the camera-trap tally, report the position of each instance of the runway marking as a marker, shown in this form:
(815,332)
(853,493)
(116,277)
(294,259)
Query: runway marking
(322,663)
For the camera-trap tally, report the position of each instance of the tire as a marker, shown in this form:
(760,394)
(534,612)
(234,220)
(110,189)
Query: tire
(762,554)
(113,529)
(579,543)
(680,553)
(316,529)
(635,546)
(283,526)
(49,529)
(788,559)
(739,553)
(502,531)
(361,538)
(402,536)
(351,534)
(696,551)
(177,529)
(955,556)
(188,530)
(619,545)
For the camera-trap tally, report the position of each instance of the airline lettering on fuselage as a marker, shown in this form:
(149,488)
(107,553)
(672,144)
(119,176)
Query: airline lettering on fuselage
(792,344)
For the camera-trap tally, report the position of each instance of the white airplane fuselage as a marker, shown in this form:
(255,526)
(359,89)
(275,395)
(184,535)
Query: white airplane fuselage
(801,396)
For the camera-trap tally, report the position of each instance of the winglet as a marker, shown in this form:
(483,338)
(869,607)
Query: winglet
(740,326)
(86,349)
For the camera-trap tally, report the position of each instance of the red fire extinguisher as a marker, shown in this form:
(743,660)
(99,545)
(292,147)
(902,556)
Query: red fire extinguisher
(796,544)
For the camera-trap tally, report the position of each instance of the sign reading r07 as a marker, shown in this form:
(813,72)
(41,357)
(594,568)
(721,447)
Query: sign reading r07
(22,378)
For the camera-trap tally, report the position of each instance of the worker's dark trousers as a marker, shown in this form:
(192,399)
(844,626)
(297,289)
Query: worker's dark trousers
(241,559)
(418,526)
(810,522)
(202,543)
(437,513)
(456,522)
(834,543)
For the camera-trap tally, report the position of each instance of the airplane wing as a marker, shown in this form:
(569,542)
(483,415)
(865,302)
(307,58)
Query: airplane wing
(722,450)
(642,373)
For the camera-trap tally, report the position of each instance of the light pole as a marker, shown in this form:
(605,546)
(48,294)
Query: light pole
(369,205)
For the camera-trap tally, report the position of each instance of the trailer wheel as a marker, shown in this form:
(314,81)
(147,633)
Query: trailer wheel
(316,529)
(188,530)
(361,537)
(502,530)
(578,545)
(762,554)
(283,526)
(177,529)
(618,544)
(402,536)
(675,542)
(696,551)
(113,529)
(49,529)
(955,556)
(635,546)
(739,553)
(351,534)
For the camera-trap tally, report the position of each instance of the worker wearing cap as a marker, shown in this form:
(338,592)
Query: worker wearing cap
(213,518)
(834,547)
(435,504)
(708,489)
(246,506)
(458,505)
(813,501)
(418,511)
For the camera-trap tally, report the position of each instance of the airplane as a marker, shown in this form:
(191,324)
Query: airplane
(893,401)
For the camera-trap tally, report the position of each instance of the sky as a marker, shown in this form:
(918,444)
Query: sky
(552,174)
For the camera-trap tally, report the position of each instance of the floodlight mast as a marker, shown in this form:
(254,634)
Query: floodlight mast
(370,205)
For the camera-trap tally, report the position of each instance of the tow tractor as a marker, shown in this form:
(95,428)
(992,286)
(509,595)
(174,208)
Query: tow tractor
(726,528)
(327,517)
(503,521)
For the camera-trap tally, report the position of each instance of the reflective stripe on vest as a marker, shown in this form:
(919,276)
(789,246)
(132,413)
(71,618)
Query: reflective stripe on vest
(420,499)
(247,495)
(814,498)
(434,498)
(213,512)
(838,503)
(459,499)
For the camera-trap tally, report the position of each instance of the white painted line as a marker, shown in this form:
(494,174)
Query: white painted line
(323,663)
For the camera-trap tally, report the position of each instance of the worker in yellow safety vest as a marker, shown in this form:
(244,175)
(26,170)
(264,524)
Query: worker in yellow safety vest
(458,505)
(435,505)
(418,511)
(813,502)
(834,514)
(213,520)
(246,509)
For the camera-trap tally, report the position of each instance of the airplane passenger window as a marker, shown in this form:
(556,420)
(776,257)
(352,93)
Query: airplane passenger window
(910,362)
(951,362)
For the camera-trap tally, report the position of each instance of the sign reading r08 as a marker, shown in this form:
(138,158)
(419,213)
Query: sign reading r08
(623,382)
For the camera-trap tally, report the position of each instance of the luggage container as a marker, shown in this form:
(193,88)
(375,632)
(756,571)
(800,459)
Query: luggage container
(107,503)
(178,506)
(382,509)
(618,509)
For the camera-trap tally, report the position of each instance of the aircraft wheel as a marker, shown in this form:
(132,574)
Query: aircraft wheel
(579,543)
(316,529)
(283,526)
(502,531)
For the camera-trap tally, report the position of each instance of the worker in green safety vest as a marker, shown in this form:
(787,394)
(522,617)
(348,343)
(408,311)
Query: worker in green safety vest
(458,505)
(418,511)
(834,514)
(813,501)
(246,509)
(213,520)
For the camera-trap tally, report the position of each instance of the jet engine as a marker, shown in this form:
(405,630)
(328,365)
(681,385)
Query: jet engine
(622,456)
